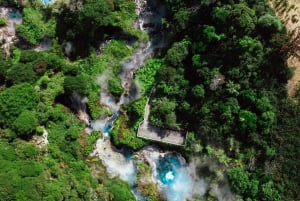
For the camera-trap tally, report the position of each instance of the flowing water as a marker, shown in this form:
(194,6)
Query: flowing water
(148,21)
(176,179)
(47,2)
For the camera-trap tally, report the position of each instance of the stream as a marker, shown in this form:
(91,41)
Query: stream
(175,179)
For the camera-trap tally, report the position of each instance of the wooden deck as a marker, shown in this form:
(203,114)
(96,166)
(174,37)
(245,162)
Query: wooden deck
(156,133)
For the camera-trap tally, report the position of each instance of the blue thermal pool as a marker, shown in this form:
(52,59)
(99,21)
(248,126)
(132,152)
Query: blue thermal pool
(15,15)
(167,167)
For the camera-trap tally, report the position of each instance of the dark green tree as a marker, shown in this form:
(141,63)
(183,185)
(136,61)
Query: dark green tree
(98,13)
(243,18)
(115,87)
(268,192)
(177,53)
(19,73)
(34,28)
(247,120)
(26,123)
(239,179)
(76,84)
(14,100)
(198,91)
(270,23)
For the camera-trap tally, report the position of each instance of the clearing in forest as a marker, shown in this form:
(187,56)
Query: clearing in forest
(289,13)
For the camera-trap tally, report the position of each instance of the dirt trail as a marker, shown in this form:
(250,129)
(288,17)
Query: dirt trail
(289,13)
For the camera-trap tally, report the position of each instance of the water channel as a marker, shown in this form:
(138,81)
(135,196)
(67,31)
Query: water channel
(176,179)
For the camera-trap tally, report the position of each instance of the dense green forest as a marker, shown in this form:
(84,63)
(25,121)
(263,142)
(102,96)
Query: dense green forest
(222,78)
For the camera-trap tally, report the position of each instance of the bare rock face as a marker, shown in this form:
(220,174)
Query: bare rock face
(8,36)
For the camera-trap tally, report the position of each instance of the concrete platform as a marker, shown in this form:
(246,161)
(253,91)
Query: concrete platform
(156,133)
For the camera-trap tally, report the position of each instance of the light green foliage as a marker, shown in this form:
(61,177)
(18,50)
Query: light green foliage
(29,169)
(270,23)
(34,28)
(198,91)
(251,45)
(233,88)
(16,55)
(117,50)
(26,123)
(267,121)
(208,38)
(62,173)
(210,35)
(249,95)
(2,22)
(124,15)
(14,100)
(269,192)
(221,13)
(196,59)
(263,104)
(94,65)
(247,120)
(19,176)
(49,88)
(91,140)
(114,53)
(96,109)
(121,191)
(239,179)
(219,154)
(145,76)
(27,150)
(124,135)
(163,113)
(115,86)
(192,145)
(136,111)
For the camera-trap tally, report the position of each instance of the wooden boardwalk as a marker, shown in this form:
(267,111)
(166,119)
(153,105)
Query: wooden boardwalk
(156,133)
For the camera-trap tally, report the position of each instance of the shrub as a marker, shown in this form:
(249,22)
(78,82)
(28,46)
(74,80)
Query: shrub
(25,123)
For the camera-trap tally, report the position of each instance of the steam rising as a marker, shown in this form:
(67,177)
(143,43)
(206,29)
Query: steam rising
(115,162)
(179,181)
(176,179)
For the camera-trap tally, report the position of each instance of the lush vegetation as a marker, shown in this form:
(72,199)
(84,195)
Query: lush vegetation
(37,90)
(222,77)
(34,28)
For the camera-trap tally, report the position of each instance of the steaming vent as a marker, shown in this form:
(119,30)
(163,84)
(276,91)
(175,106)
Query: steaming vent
(167,167)
(169,177)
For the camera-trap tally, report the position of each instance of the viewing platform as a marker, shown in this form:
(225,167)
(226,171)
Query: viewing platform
(152,132)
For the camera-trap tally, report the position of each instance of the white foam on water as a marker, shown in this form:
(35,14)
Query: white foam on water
(170,175)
